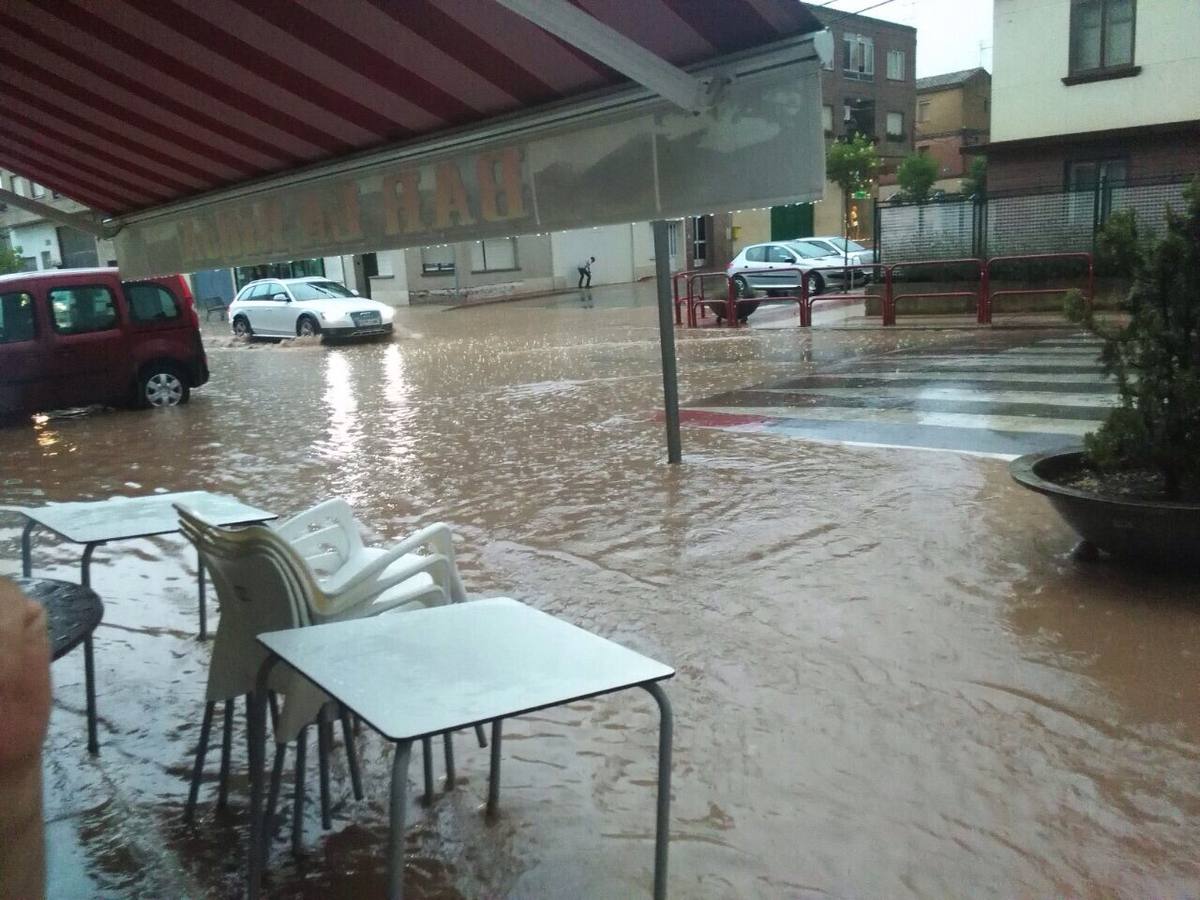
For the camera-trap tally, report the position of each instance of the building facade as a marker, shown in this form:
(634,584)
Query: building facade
(41,243)
(869,88)
(953,114)
(1093,91)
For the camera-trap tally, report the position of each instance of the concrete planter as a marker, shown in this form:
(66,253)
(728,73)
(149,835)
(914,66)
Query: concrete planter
(1109,293)
(1161,532)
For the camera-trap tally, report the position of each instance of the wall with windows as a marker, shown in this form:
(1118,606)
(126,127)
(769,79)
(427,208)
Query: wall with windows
(1070,67)
(38,243)
(479,270)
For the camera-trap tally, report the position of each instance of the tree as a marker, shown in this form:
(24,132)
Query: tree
(975,184)
(10,259)
(1156,360)
(916,175)
(851,165)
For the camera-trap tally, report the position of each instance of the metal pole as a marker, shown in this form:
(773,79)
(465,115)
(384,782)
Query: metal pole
(666,334)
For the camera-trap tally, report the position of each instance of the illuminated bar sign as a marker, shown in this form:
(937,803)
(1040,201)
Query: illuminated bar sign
(761,145)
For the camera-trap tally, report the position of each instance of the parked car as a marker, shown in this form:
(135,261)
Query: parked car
(838,245)
(300,307)
(77,337)
(772,268)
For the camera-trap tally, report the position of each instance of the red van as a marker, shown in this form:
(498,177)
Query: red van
(75,337)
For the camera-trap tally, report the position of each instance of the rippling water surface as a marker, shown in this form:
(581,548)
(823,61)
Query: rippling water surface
(892,680)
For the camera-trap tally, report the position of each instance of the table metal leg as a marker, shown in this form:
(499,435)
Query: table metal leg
(256,733)
(203,597)
(662,826)
(398,809)
(448,739)
(351,754)
(85,571)
(493,800)
(298,793)
(27,548)
(324,742)
(427,759)
(89,674)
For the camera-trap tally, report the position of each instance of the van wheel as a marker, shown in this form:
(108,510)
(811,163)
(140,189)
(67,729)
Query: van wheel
(241,327)
(162,385)
(307,327)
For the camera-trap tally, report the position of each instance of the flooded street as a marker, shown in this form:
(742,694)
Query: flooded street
(892,679)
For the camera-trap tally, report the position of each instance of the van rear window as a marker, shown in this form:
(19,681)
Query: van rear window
(82,309)
(16,318)
(150,302)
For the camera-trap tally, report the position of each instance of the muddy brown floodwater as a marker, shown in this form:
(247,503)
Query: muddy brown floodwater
(892,679)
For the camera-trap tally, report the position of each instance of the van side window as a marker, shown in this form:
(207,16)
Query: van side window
(16,318)
(150,302)
(82,309)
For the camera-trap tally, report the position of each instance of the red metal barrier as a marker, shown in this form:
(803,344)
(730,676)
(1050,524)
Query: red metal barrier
(807,299)
(683,273)
(798,299)
(890,296)
(698,301)
(985,307)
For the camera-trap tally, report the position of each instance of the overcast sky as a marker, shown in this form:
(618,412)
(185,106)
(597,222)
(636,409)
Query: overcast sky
(949,32)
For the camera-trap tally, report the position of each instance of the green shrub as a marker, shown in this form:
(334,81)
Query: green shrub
(1117,245)
(1156,360)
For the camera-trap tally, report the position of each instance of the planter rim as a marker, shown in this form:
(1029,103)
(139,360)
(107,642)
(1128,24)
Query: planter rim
(1023,469)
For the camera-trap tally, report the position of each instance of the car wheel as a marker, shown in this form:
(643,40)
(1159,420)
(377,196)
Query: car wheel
(307,327)
(162,385)
(742,287)
(817,284)
(241,327)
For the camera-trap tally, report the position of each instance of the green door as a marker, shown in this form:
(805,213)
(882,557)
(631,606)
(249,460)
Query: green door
(794,221)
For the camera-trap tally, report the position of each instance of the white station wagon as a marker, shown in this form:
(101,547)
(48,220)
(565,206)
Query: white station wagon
(299,307)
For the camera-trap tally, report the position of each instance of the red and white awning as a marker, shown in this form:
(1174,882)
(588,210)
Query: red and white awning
(130,105)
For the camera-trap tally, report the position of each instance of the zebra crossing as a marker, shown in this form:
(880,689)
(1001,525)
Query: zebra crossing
(1040,396)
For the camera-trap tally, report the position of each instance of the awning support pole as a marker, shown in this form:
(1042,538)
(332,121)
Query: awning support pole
(666,335)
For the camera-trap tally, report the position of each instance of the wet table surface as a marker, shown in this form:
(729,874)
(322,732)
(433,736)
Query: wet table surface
(430,671)
(72,611)
(118,518)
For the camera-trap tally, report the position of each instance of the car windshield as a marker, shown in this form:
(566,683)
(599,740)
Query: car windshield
(842,244)
(321,290)
(807,250)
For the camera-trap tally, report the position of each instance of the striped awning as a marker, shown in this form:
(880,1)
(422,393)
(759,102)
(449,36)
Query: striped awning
(130,105)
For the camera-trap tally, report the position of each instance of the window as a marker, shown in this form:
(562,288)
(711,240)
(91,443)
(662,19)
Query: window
(20,186)
(269,290)
(922,112)
(895,65)
(859,116)
(36,190)
(437,260)
(699,239)
(827,119)
(1091,183)
(321,290)
(494,255)
(756,254)
(895,126)
(858,56)
(150,302)
(83,309)
(16,318)
(779,255)
(1101,34)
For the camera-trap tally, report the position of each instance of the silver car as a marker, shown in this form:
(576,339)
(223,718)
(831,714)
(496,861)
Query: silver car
(771,267)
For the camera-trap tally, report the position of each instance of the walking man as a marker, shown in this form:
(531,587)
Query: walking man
(585,271)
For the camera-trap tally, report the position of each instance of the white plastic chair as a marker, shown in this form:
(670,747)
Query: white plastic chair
(351,574)
(261,585)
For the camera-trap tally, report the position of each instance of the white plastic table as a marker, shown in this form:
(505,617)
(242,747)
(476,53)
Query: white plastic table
(96,522)
(414,675)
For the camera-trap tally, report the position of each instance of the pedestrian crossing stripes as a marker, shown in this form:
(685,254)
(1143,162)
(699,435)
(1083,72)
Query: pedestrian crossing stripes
(1041,396)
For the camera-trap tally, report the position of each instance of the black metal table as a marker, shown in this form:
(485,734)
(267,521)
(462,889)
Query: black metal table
(72,614)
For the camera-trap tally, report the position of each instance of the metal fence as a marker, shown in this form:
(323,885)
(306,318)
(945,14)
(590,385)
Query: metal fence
(1005,224)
